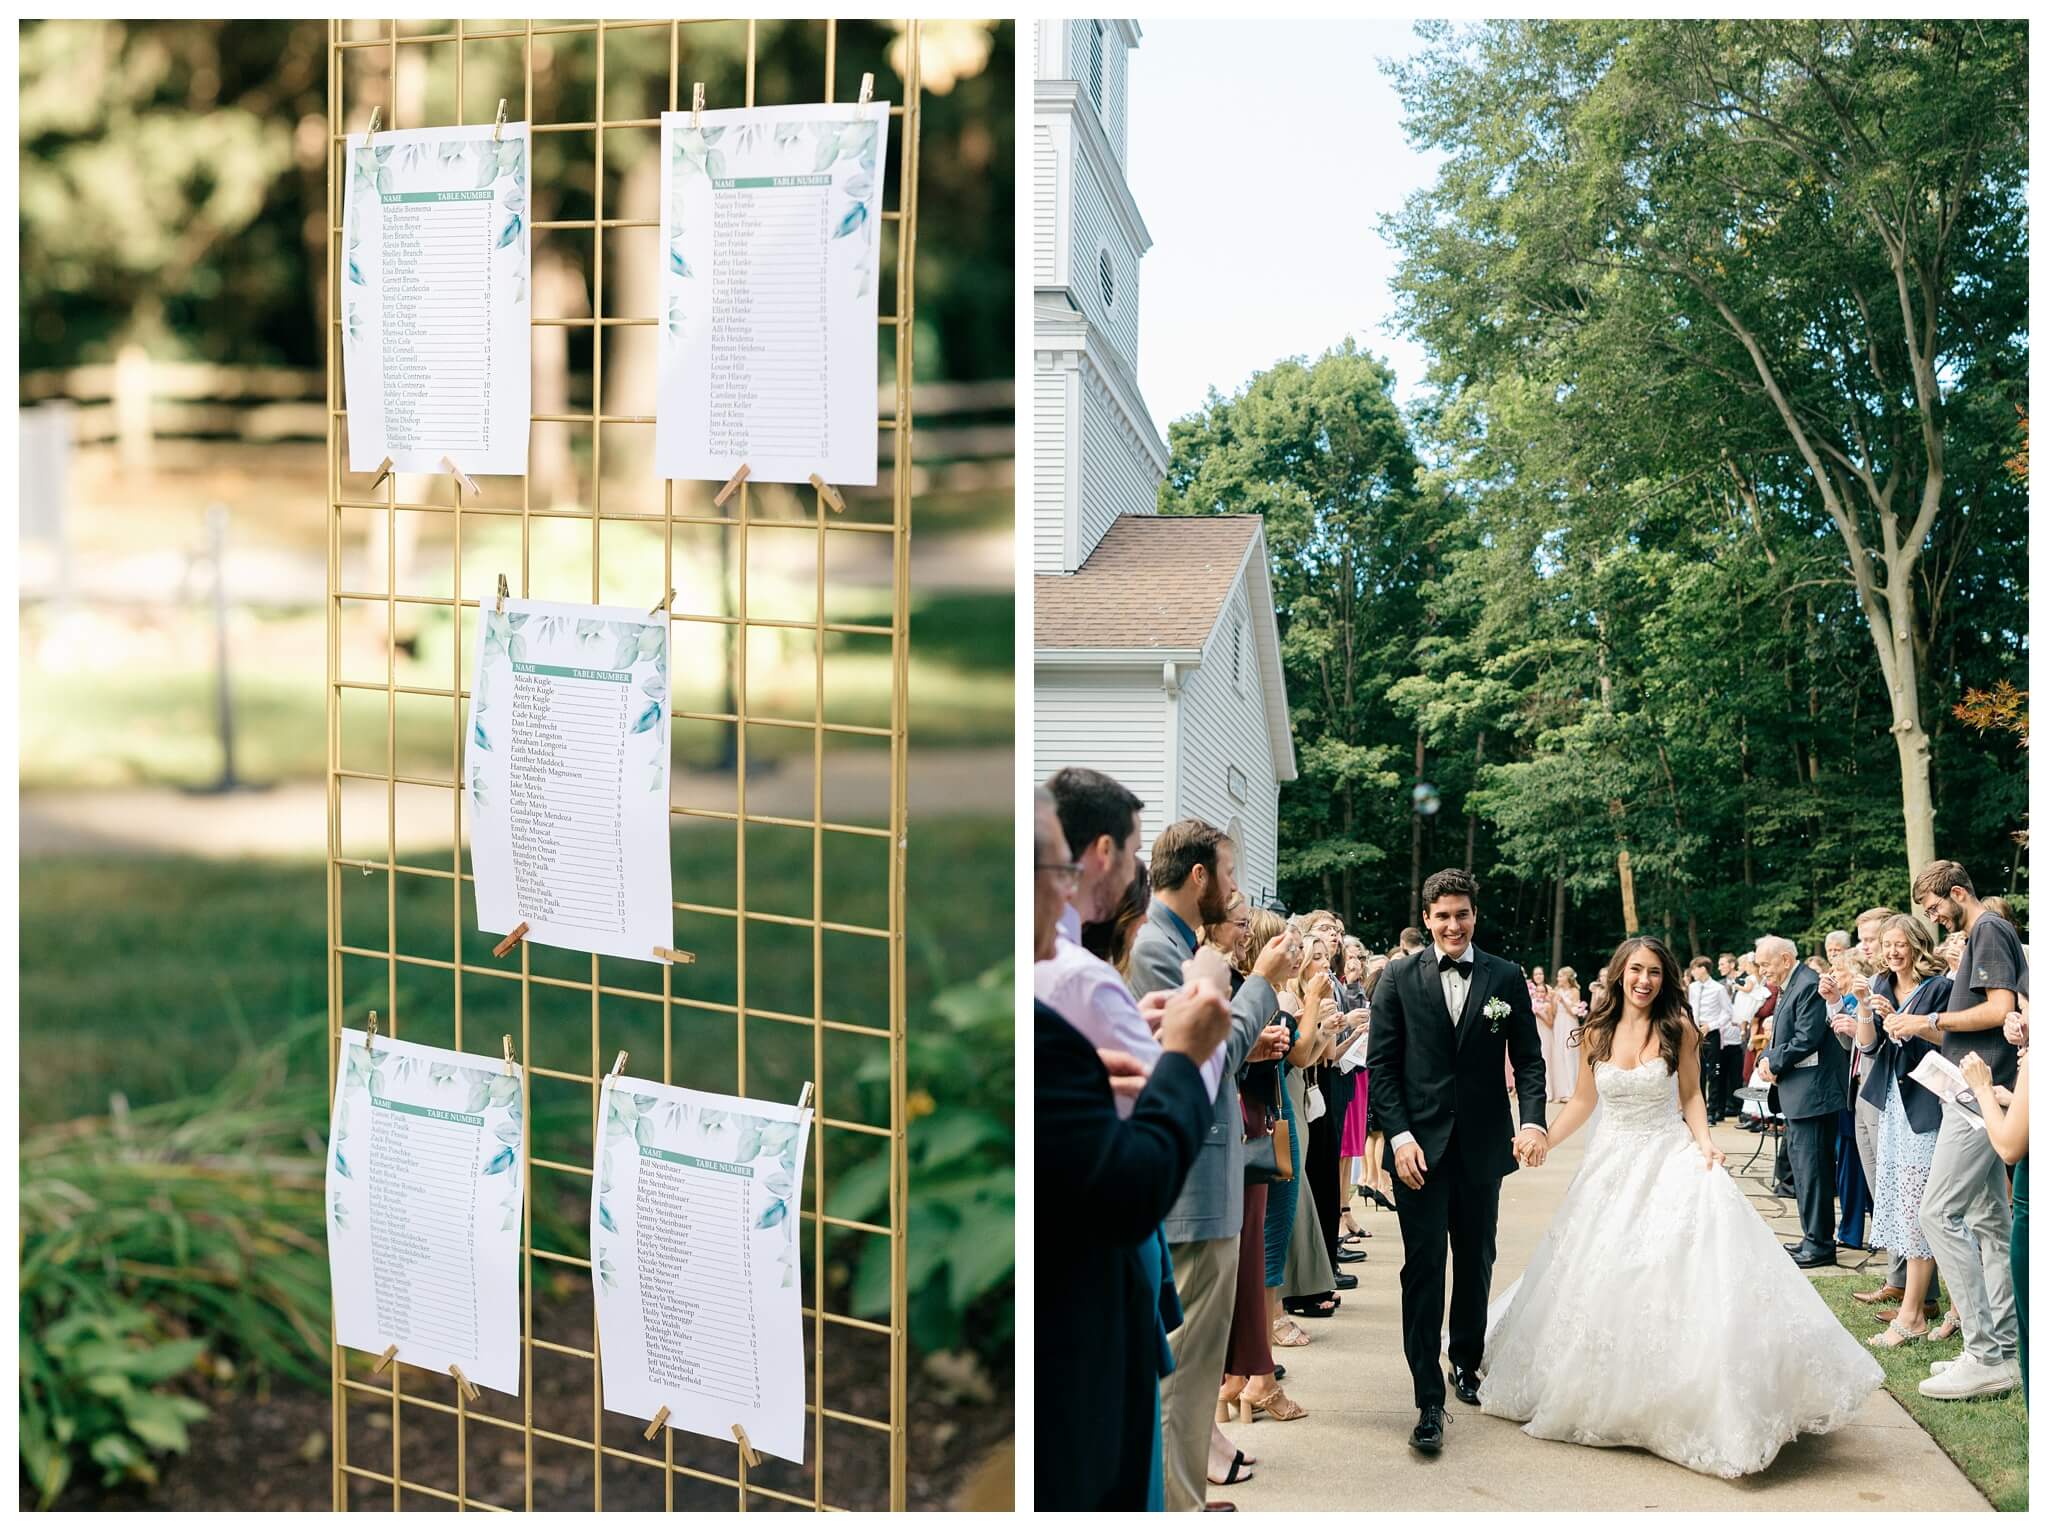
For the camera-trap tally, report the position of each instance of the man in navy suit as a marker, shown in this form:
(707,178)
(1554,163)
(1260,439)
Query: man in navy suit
(1812,1075)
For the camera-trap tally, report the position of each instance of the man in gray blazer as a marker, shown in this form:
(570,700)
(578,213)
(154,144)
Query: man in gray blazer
(1193,880)
(1812,1075)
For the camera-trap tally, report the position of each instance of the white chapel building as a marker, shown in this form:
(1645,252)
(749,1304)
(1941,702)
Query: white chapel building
(1156,656)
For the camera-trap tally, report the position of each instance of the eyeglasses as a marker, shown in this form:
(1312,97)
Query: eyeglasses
(1064,872)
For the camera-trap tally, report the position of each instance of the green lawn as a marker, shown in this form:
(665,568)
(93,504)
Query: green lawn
(152,977)
(151,721)
(1986,1438)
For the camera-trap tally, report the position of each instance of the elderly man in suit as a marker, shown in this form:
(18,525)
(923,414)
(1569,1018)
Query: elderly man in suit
(1812,1075)
(1193,880)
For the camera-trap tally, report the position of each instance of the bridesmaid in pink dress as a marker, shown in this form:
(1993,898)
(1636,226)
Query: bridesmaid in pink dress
(1568,1014)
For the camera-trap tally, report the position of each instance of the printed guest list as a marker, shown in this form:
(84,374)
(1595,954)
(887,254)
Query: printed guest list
(568,776)
(693,1221)
(424,1197)
(436,342)
(772,226)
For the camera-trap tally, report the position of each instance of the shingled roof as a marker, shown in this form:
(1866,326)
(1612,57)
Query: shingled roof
(1153,582)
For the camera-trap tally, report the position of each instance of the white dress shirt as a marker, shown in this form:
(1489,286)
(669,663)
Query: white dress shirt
(1714,1012)
(1454,985)
(1092,997)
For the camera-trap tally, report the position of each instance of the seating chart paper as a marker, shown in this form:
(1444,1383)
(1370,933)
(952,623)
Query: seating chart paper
(771,219)
(693,1230)
(436,337)
(424,1198)
(568,776)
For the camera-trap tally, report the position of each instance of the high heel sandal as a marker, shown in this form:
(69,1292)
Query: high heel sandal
(1276,1405)
(1226,1399)
(1288,1333)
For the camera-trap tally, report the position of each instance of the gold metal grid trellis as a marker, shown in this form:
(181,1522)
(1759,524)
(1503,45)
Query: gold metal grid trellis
(424,1399)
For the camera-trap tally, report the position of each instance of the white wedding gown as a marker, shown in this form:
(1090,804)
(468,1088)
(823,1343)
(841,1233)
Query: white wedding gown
(1660,1311)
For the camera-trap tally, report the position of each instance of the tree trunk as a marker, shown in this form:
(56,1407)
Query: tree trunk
(1628,894)
(1471,818)
(1557,923)
(1415,842)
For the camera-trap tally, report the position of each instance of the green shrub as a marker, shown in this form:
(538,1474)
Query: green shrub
(961,1231)
(160,1244)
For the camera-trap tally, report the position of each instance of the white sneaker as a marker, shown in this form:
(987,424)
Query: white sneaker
(1967,1377)
(1940,1366)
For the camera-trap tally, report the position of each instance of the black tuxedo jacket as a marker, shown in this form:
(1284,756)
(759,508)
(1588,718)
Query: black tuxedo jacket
(1433,1075)
(1104,1185)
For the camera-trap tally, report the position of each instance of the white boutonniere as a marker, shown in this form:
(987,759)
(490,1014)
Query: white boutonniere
(1496,1011)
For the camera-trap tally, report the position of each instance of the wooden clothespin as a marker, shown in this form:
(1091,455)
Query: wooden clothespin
(508,1052)
(512,938)
(697,105)
(670,954)
(731,484)
(462,480)
(655,1424)
(383,472)
(462,1383)
(390,1355)
(618,1064)
(376,114)
(498,128)
(370,1032)
(739,1433)
(664,603)
(827,493)
(504,589)
(867,89)
(803,1100)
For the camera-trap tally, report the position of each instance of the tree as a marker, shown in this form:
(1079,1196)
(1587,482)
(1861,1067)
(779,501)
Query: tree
(1791,253)
(1320,450)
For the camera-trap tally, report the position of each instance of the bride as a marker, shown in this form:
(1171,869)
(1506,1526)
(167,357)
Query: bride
(1659,1310)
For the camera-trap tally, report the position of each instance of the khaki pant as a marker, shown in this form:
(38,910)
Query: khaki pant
(1968,1221)
(1205,1276)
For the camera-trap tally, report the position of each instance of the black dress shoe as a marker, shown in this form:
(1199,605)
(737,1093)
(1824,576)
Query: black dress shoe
(1345,1281)
(1465,1383)
(1279,1373)
(1782,1189)
(1806,1260)
(1350,1256)
(1428,1436)
(1795,1246)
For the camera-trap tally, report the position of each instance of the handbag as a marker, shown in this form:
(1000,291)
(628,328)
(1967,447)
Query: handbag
(1314,1102)
(1269,1156)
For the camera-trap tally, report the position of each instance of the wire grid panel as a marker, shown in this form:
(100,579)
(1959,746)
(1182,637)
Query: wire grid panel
(422,1411)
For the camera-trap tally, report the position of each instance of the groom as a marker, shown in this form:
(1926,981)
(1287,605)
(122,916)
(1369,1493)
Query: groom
(1441,1022)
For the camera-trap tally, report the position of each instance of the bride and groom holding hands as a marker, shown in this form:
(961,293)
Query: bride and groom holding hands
(1621,1331)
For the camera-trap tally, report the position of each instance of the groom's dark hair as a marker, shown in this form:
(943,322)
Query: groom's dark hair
(1449,883)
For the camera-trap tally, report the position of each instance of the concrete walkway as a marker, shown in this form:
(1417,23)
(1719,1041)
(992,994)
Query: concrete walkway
(1352,1453)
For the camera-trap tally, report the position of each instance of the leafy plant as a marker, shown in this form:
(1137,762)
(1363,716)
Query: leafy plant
(961,1224)
(154,1241)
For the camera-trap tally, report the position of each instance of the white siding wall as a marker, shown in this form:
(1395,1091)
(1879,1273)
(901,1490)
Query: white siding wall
(1116,64)
(1116,727)
(1117,479)
(1045,184)
(1221,727)
(1050,430)
(1095,228)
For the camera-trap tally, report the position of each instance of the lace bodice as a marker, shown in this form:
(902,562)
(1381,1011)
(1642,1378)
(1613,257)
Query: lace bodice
(1643,1099)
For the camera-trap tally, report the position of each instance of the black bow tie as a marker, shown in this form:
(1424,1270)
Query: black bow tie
(1463,964)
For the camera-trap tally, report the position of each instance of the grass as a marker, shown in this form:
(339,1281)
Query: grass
(1985,1437)
(151,977)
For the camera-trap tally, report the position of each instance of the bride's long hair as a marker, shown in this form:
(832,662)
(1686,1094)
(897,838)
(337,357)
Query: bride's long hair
(1670,1015)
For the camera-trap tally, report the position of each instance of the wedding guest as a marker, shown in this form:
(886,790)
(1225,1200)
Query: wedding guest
(1869,928)
(1868,959)
(1964,1211)
(1909,1119)
(1193,876)
(2005,1120)
(1813,1085)
(1412,940)
(1543,1003)
(1231,935)
(1351,1144)
(1334,1086)
(1111,1180)
(1711,1009)
(1309,1279)
(1568,1014)
(1110,939)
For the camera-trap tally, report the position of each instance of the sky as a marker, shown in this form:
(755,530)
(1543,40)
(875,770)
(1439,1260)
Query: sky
(1262,155)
